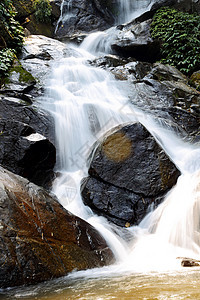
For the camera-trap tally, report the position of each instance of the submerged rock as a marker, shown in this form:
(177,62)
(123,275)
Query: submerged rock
(128,173)
(40,240)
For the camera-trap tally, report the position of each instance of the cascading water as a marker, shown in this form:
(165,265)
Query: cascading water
(131,9)
(86,102)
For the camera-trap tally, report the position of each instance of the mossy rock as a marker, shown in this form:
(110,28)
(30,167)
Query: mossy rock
(195,80)
(24,75)
(40,28)
(19,79)
(24,8)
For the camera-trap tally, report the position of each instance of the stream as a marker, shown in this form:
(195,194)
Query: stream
(86,102)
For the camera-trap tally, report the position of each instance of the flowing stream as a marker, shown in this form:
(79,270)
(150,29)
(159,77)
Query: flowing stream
(86,102)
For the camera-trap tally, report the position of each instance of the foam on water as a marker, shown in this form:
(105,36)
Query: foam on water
(86,102)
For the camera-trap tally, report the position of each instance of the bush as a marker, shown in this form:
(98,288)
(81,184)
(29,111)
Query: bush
(6,58)
(10,30)
(11,34)
(43,11)
(179,34)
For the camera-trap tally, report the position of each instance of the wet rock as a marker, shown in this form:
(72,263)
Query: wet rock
(135,40)
(38,55)
(130,158)
(165,92)
(118,205)
(189,262)
(128,162)
(40,240)
(19,81)
(195,80)
(26,141)
(15,109)
(162,91)
(25,152)
(85,16)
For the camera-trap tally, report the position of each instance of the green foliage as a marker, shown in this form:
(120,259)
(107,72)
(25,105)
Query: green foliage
(179,34)
(6,58)
(10,30)
(43,11)
(12,34)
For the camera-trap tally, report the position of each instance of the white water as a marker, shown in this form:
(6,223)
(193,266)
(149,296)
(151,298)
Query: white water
(86,102)
(130,9)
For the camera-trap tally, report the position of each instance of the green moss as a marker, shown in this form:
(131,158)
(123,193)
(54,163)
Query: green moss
(24,75)
(195,80)
(179,34)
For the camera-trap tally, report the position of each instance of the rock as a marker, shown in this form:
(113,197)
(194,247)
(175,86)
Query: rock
(20,81)
(40,240)
(38,55)
(189,262)
(165,92)
(116,204)
(128,162)
(26,153)
(195,80)
(160,90)
(24,8)
(20,152)
(14,109)
(135,40)
(130,158)
(85,16)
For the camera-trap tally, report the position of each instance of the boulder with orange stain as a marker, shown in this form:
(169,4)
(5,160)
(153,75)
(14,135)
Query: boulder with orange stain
(40,240)
(128,173)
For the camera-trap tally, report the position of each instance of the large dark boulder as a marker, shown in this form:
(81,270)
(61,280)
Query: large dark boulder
(85,16)
(25,152)
(27,136)
(128,162)
(134,40)
(26,141)
(40,240)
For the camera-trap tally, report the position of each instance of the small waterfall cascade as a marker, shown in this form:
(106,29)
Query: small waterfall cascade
(65,12)
(86,102)
(131,9)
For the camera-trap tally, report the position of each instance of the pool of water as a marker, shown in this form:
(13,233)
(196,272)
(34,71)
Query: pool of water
(182,284)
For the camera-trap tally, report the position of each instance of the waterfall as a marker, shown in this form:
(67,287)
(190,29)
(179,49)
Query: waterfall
(130,9)
(86,102)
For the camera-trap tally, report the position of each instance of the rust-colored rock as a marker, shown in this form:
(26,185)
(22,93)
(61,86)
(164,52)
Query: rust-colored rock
(40,240)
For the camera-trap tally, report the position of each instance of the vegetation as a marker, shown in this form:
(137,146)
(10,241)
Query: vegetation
(43,11)
(10,27)
(6,59)
(179,34)
(11,36)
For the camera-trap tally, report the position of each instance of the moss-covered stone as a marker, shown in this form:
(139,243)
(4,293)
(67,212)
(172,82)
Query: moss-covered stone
(24,8)
(23,75)
(195,80)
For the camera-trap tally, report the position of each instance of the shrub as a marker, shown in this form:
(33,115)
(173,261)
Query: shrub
(43,11)
(179,34)
(10,30)
(6,58)
(12,34)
